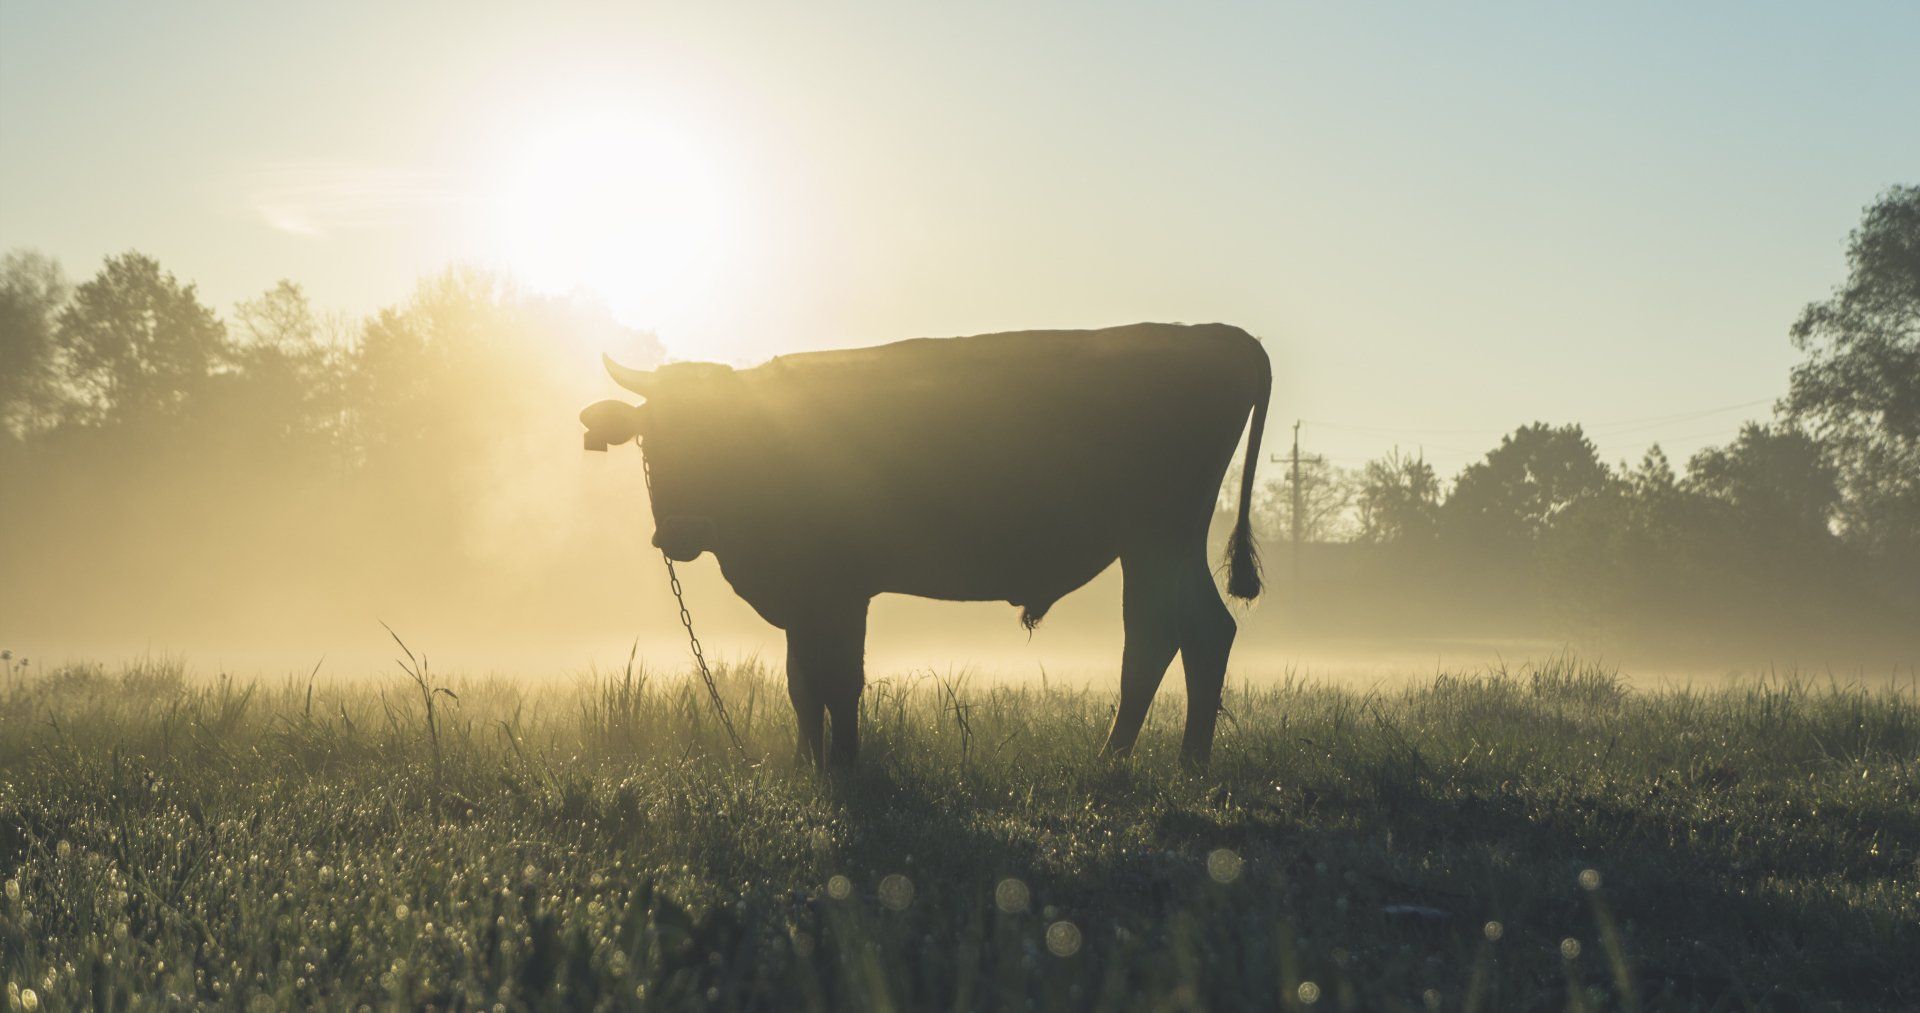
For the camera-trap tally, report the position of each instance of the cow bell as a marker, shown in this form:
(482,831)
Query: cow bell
(609,422)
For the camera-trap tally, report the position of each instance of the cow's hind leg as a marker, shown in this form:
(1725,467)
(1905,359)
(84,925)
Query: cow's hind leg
(826,670)
(1149,612)
(1206,637)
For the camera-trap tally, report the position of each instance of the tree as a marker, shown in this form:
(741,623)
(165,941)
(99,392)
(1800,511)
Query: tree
(1776,479)
(469,350)
(281,318)
(286,378)
(1326,502)
(430,377)
(1398,500)
(1761,524)
(32,290)
(1532,476)
(1859,388)
(1658,557)
(1652,483)
(139,344)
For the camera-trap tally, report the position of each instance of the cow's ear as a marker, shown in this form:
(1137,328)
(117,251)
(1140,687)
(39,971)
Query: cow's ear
(640,381)
(611,422)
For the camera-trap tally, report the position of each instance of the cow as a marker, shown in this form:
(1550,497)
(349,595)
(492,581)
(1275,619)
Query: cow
(999,467)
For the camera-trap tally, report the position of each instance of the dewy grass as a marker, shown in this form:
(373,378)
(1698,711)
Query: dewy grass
(1539,838)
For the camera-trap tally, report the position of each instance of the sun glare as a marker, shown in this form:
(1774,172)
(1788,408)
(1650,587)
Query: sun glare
(627,209)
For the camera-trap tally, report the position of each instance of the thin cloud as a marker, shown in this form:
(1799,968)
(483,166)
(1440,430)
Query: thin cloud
(318,199)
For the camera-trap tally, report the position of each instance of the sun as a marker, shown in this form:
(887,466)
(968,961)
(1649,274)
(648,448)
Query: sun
(624,207)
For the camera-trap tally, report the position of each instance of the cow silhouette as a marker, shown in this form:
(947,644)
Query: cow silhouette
(1000,467)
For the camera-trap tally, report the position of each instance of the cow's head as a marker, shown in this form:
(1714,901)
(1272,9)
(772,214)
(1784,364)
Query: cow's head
(690,430)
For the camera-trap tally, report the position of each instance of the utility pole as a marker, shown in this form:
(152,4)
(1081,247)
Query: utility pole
(1299,524)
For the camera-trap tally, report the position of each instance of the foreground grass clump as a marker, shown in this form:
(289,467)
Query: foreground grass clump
(1546,839)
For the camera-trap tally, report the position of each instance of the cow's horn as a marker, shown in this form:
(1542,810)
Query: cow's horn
(640,381)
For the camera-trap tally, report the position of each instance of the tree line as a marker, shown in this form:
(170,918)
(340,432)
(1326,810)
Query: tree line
(162,459)
(1805,526)
(151,446)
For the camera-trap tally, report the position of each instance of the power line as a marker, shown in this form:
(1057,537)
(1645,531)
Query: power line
(1382,431)
(1676,441)
(1635,425)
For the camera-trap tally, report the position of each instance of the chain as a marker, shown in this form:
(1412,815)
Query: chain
(686,620)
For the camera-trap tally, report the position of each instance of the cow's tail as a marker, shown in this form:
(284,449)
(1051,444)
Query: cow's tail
(1243,559)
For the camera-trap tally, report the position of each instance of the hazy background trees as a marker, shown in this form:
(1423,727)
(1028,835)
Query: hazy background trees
(1397,501)
(278,464)
(1325,499)
(165,466)
(1801,532)
(32,290)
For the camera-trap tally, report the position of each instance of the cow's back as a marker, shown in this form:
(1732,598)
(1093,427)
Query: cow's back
(1000,465)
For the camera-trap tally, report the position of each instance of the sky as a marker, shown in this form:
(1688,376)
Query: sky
(1445,220)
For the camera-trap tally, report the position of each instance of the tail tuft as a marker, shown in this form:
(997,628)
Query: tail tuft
(1243,563)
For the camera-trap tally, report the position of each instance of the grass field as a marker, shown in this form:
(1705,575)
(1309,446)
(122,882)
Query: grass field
(1536,840)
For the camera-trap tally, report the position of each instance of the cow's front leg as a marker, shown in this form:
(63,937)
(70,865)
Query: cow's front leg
(826,670)
(808,709)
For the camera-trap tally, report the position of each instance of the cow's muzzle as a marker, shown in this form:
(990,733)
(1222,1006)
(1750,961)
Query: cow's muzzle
(610,422)
(683,538)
